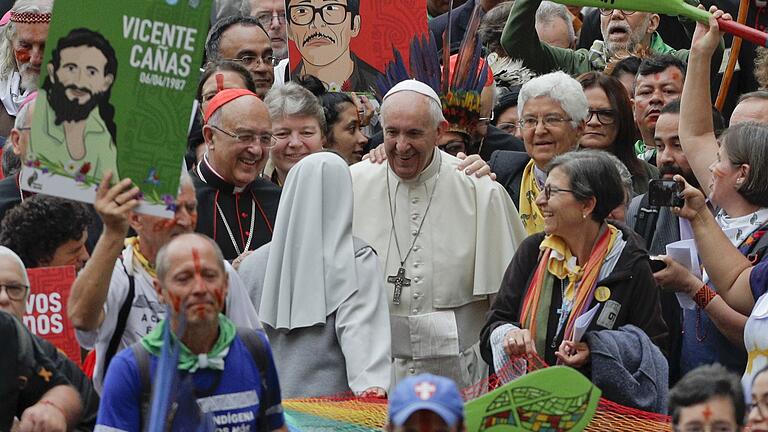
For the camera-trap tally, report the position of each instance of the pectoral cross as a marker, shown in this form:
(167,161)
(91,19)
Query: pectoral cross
(399,280)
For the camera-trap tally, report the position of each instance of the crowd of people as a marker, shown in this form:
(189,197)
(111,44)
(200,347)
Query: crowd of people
(325,243)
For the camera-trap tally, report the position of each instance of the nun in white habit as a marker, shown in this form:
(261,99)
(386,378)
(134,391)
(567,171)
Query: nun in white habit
(319,290)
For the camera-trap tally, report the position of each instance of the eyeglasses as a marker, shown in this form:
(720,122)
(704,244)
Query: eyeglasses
(15,291)
(509,128)
(548,121)
(247,138)
(453,147)
(605,117)
(609,12)
(331,13)
(549,190)
(246,61)
(761,406)
(265,19)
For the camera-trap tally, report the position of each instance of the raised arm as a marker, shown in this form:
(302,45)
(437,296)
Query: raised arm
(520,41)
(697,134)
(727,268)
(89,291)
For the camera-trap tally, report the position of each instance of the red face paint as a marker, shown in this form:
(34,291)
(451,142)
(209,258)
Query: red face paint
(22,55)
(219,82)
(707,413)
(175,302)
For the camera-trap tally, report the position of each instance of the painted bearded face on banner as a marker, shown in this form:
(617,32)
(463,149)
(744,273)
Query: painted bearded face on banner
(80,75)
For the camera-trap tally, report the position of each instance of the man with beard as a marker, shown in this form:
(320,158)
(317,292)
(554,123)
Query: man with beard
(242,39)
(80,76)
(113,303)
(322,32)
(21,54)
(624,32)
(659,81)
(271,16)
(659,226)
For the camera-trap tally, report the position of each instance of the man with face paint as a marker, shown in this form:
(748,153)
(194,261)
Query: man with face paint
(78,119)
(22,42)
(230,387)
(624,32)
(322,32)
(708,398)
(113,303)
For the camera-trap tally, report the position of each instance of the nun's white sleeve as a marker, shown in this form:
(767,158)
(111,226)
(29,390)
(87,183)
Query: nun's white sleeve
(362,327)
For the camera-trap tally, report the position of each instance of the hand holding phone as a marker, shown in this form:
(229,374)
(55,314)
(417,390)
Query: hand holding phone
(665,193)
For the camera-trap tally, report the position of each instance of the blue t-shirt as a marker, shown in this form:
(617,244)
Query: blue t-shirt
(234,404)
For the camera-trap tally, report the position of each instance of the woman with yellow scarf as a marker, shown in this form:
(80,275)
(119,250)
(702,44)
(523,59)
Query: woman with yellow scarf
(579,264)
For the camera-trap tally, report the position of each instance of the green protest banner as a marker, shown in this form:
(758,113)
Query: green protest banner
(555,398)
(116,91)
(675,8)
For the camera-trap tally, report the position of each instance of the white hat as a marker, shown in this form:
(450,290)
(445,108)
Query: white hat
(414,86)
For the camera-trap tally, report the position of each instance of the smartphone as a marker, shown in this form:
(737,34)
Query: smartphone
(657,265)
(665,193)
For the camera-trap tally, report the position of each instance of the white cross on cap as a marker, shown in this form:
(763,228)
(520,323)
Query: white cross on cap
(425,390)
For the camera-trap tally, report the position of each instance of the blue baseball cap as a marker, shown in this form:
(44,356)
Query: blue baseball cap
(426,392)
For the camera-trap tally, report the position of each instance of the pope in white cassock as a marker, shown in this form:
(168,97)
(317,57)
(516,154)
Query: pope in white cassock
(445,239)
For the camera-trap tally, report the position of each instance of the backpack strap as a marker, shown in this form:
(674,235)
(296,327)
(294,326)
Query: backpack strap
(755,246)
(122,321)
(258,349)
(145,382)
(646,218)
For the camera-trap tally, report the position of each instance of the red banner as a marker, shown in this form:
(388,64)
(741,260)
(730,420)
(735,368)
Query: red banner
(382,25)
(46,313)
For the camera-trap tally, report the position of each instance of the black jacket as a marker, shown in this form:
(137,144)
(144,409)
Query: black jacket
(460,17)
(509,167)
(631,285)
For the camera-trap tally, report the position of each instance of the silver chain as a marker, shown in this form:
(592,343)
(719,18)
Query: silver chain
(229,231)
(421,224)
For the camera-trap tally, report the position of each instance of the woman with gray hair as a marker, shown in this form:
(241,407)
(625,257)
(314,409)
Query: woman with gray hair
(552,109)
(580,264)
(298,125)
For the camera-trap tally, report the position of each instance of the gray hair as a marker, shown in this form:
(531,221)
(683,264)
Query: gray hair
(21,116)
(7,59)
(11,162)
(161,260)
(562,88)
(435,110)
(213,41)
(592,174)
(492,25)
(626,177)
(747,143)
(548,11)
(291,100)
(4,251)
(245,7)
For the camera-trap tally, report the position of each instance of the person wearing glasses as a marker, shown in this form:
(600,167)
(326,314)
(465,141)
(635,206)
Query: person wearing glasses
(14,292)
(580,262)
(271,16)
(611,127)
(237,206)
(552,109)
(242,39)
(322,32)
(624,32)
